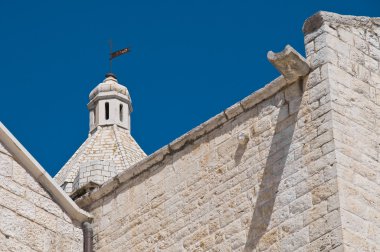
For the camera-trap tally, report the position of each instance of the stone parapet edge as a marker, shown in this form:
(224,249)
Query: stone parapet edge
(180,143)
(20,154)
(316,21)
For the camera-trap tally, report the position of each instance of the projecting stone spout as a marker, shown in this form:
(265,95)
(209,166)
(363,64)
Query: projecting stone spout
(289,63)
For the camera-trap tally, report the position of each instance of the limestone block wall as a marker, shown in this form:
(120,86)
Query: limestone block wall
(276,192)
(351,49)
(306,180)
(30,219)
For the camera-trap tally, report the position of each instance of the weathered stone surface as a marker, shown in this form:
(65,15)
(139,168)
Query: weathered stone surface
(315,22)
(289,63)
(300,182)
(209,191)
(31,220)
(106,152)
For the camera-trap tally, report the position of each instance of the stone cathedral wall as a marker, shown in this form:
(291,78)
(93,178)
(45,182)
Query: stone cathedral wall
(306,179)
(352,62)
(278,191)
(30,218)
(218,194)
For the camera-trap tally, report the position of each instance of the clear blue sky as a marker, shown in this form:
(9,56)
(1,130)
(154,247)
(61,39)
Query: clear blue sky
(190,61)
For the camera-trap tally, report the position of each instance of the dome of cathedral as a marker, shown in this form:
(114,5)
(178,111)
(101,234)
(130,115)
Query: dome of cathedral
(109,84)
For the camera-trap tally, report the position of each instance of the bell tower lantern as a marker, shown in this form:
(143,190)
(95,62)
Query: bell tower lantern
(110,104)
(110,147)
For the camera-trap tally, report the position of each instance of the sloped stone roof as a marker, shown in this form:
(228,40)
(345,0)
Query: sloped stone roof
(108,143)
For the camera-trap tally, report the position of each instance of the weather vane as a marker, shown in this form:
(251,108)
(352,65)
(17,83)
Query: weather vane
(116,53)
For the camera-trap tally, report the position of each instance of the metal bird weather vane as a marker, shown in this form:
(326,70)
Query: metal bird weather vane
(116,53)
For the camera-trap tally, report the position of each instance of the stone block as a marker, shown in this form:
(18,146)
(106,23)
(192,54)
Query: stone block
(324,225)
(234,110)
(295,240)
(346,36)
(300,205)
(323,56)
(11,186)
(5,165)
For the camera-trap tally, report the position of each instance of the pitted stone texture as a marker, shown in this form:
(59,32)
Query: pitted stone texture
(30,220)
(108,144)
(353,72)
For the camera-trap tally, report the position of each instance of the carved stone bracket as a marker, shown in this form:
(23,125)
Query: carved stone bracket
(289,63)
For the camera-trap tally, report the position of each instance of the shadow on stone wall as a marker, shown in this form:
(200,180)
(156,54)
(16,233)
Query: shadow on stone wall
(271,178)
(270,181)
